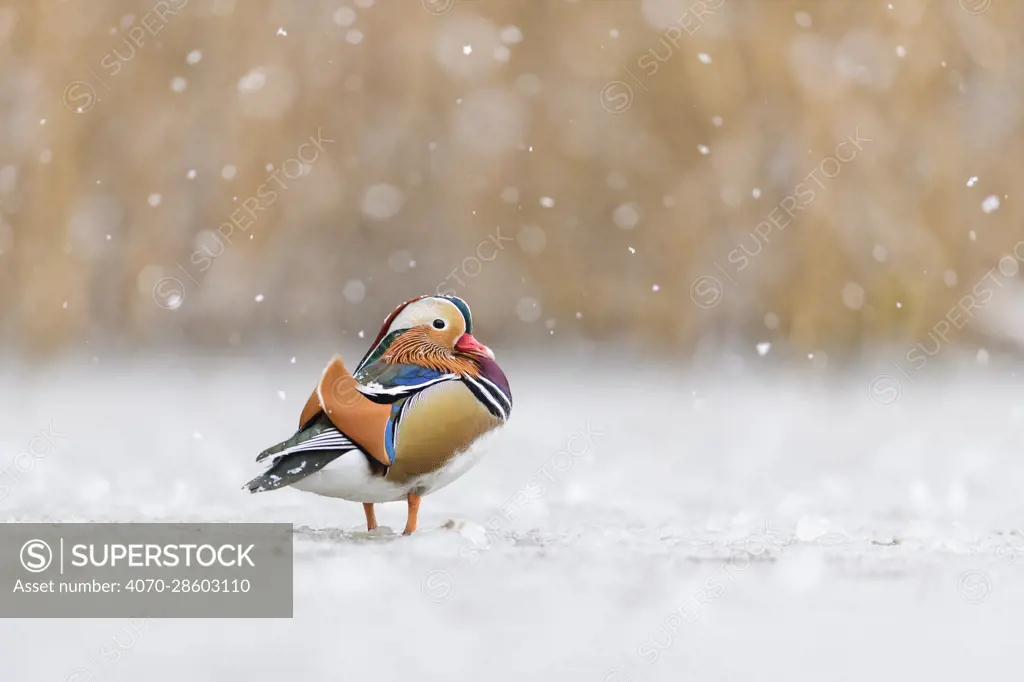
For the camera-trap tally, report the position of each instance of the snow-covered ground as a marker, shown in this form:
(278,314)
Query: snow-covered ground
(646,524)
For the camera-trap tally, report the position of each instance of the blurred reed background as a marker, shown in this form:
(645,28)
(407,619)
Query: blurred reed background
(831,175)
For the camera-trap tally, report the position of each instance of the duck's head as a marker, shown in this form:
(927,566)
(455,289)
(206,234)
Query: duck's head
(431,331)
(427,327)
(435,333)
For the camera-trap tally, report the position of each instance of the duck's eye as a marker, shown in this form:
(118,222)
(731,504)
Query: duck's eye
(439,323)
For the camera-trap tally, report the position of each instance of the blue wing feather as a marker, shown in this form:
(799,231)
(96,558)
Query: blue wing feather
(392,428)
(388,383)
(411,375)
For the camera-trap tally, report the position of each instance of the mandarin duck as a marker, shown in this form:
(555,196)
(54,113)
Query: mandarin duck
(402,425)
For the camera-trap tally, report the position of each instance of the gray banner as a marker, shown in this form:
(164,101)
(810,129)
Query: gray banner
(145,570)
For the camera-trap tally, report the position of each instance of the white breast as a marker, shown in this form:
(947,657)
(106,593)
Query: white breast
(350,478)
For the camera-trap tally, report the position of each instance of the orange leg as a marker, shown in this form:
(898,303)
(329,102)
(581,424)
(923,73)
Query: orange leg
(371,518)
(414,510)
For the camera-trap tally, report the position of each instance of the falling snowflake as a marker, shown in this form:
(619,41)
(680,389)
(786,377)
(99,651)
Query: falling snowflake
(511,35)
(354,291)
(853,295)
(626,216)
(345,16)
(528,309)
(382,201)
(254,80)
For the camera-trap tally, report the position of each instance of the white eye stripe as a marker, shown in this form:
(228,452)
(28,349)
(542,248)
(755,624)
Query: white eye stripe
(424,312)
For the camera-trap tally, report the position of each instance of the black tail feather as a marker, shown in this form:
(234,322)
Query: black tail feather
(291,468)
(285,469)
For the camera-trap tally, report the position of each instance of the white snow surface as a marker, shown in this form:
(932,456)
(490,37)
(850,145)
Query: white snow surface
(704,527)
